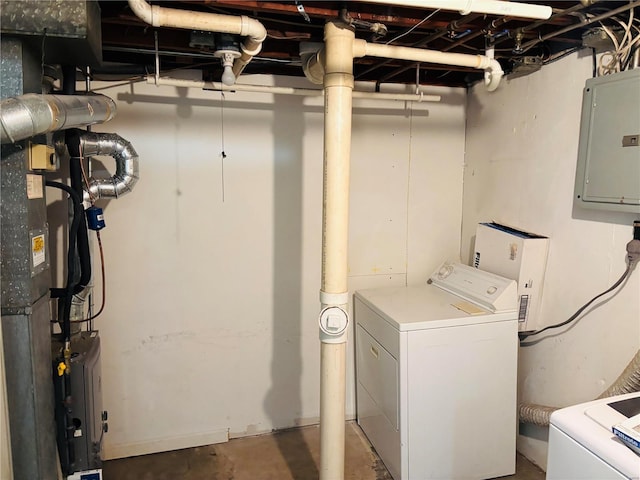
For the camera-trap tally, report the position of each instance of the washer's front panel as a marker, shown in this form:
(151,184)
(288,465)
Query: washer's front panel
(568,460)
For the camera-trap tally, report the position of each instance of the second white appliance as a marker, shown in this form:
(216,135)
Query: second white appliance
(436,375)
(582,445)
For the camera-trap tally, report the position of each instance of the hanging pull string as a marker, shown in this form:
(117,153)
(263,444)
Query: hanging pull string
(222,154)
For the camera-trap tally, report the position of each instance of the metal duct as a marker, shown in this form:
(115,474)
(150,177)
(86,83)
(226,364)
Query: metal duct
(126,158)
(33,114)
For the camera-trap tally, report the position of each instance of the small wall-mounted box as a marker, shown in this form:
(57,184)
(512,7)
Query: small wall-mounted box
(520,256)
(608,170)
(42,157)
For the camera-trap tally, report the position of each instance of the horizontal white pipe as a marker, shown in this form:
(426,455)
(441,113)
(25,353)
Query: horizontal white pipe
(365,49)
(492,7)
(205,21)
(250,28)
(362,48)
(311,92)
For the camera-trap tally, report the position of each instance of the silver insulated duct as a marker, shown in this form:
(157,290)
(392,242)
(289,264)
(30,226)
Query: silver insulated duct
(33,114)
(112,145)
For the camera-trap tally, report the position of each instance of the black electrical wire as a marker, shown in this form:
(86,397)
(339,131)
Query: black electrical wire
(104,286)
(525,334)
(78,225)
(82,239)
(75,173)
(78,213)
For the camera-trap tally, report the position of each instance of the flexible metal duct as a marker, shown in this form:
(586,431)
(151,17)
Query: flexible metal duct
(126,158)
(627,382)
(33,114)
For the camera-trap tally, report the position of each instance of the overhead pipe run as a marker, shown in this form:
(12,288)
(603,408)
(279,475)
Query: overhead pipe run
(492,7)
(492,68)
(361,48)
(253,31)
(33,114)
(452,26)
(311,92)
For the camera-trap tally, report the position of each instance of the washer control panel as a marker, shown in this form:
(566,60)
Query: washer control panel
(487,290)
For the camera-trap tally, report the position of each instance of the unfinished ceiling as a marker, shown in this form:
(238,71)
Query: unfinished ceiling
(521,46)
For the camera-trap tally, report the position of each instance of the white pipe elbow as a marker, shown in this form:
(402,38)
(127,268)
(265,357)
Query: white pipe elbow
(142,10)
(492,75)
(254,29)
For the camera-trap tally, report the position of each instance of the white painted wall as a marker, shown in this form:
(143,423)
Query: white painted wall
(213,276)
(521,150)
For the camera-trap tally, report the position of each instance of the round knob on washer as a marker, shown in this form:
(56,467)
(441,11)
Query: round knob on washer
(492,289)
(445,271)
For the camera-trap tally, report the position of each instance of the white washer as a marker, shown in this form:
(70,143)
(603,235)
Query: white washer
(436,376)
(583,447)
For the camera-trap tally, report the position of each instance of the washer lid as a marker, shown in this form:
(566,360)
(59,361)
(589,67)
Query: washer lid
(426,306)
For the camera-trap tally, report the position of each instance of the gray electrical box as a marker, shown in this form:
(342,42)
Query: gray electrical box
(608,171)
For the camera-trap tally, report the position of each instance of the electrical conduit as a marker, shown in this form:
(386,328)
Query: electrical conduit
(253,30)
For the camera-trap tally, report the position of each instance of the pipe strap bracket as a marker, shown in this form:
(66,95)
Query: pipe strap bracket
(338,80)
(252,52)
(327,298)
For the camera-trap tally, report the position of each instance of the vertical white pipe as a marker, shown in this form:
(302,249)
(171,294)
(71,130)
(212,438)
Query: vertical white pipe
(332,410)
(338,86)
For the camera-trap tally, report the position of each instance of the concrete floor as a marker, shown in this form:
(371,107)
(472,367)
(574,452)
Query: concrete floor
(285,455)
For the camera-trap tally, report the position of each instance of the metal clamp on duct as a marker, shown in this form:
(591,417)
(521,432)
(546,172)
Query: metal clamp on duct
(126,158)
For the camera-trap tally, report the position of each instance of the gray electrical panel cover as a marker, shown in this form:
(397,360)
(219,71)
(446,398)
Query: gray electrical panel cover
(608,171)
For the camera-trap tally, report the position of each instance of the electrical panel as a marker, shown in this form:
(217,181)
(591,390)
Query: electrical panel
(608,171)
